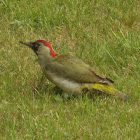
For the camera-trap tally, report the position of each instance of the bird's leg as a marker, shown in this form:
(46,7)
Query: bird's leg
(57,90)
(65,96)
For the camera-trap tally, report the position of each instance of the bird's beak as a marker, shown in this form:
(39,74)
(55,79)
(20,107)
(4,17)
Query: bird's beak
(29,44)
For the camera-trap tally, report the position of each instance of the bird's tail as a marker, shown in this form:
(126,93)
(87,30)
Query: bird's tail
(108,89)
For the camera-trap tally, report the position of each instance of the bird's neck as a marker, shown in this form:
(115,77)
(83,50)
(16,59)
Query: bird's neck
(44,57)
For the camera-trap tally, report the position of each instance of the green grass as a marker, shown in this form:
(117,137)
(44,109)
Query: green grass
(105,34)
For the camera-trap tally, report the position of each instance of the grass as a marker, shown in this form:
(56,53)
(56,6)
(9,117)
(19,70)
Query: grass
(105,34)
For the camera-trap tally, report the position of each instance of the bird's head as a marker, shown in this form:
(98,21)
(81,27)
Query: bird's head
(41,47)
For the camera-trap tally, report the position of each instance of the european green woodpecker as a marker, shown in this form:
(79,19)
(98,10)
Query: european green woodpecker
(70,74)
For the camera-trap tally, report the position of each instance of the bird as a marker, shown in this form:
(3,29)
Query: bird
(70,74)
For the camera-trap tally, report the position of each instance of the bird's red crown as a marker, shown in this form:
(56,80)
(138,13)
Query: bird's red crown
(47,44)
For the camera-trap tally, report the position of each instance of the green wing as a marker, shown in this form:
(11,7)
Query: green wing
(76,70)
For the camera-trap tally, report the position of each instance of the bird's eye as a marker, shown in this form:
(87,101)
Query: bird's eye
(36,45)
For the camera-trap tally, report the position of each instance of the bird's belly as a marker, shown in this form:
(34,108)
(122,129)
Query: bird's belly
(67,85)
(63,83)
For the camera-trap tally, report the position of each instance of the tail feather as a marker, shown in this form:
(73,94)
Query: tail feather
(107,89)
(108,79)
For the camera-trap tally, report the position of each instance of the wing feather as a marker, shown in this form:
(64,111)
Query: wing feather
(76,70)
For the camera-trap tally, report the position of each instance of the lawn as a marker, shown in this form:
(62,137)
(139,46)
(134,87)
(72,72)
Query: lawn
(104,34)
